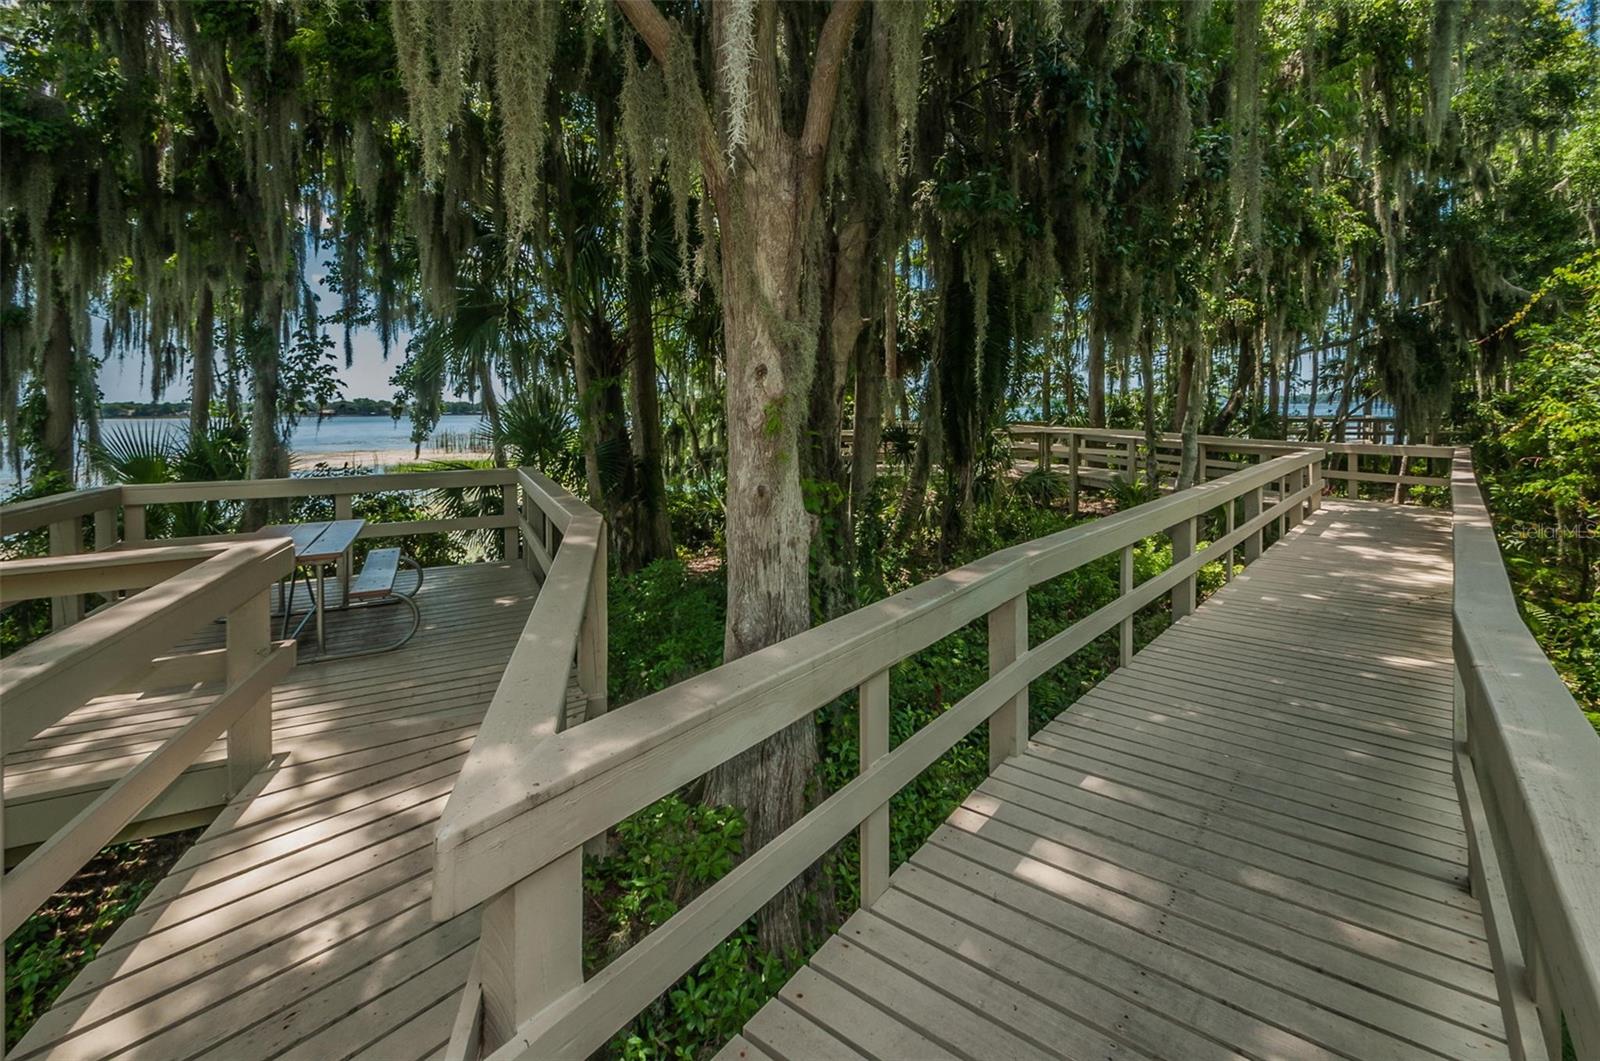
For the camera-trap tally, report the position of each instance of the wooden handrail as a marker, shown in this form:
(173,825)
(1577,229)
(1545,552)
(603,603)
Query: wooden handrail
(22,516)
(44,681)
(312,485)
(47,680)
(512,838)
(1528,767)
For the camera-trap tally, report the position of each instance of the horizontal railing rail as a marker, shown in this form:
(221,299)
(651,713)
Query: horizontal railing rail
(44,682)
(513,832)
(1528,772)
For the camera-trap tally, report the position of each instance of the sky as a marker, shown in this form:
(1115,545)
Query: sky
(128,379)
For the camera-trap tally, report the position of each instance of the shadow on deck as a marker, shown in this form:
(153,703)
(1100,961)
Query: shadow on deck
(1246,842)
(303,907)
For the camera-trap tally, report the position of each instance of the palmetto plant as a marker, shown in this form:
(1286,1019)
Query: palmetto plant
(148,453)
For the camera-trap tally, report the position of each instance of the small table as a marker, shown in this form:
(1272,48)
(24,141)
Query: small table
(316,545)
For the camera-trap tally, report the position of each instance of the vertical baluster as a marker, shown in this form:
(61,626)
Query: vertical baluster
(249,638)
(1125,588)
(530,951)
(1072,474)
(873,711)
(105,529)
(592,672)
(1231,517)
(1008,640)
(344,508)
(508,506)
(66,539)
(1183,594)
(133,524)
(1252,508)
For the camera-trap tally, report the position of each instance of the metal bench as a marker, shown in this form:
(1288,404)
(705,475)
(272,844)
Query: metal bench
(374,585)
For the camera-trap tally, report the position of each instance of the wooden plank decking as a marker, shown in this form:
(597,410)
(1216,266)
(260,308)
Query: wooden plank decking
(299,921)
(1244,844)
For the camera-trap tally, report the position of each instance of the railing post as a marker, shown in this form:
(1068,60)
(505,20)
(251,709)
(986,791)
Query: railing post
(1125,587)
(344,508)
(133,524)
(1316,482)
(249,638)
(1296,512)
(530,951)
(592,673)
(1183,593)
(1352,465)
(66,539)
(1252,509)
(508,505)
(1072,474)
(873,711)
(1231,517)
(1199,464)
(105,529)
(1008,640)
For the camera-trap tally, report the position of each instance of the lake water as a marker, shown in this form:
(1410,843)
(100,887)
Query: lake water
(369,441)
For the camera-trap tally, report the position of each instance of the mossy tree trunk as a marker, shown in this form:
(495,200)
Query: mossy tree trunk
(766,208)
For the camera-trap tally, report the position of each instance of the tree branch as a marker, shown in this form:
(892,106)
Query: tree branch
(831,47)
(656,32)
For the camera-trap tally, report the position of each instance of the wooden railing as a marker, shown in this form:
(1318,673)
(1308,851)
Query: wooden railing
(1100,456)
(528,801)
(564,542)
(182,590)
(1528,773)
(120,512)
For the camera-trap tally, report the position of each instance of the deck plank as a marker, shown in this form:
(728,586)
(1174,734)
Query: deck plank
(1246,840)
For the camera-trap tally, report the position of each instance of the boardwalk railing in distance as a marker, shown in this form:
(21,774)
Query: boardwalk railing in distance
(129,645)
(529,800)
(1098,456)
(1528,773)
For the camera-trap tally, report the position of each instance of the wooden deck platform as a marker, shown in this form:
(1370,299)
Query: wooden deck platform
(300,918)
(1247,843)
(1244,844)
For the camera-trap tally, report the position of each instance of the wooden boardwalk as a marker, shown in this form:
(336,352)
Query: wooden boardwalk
(1246,843)
(299,922)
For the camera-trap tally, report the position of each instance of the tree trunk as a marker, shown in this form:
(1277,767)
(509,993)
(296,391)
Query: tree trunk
(871,362)
(843,315)
(767,532)
(269,457)
(60,416)
(1180,404)
(1193,409)
(1147,373)
(1097,370)
(1244,379)
(202,376)
(655,529)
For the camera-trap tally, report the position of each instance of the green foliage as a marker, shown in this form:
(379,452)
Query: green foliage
(49,948)
(1541,453)
(665,625)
